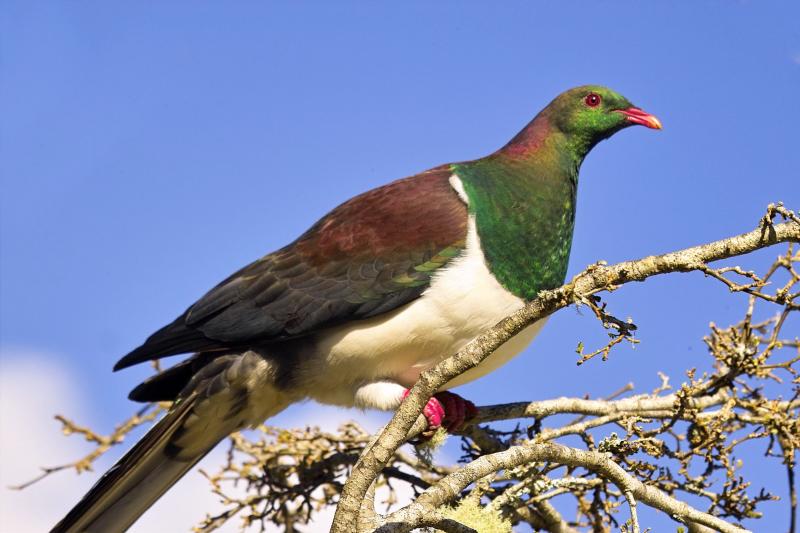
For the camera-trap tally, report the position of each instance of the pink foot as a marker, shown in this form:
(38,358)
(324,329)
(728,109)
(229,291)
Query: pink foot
(447,409)
(457,409)
(433,411)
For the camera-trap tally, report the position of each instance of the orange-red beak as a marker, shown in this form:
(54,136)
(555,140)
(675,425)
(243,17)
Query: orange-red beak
(635,115)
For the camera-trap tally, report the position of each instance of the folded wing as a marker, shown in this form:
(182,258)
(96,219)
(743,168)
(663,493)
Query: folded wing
(368,256)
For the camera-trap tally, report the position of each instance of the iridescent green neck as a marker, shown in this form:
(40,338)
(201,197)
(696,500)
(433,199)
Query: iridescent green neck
(523,199)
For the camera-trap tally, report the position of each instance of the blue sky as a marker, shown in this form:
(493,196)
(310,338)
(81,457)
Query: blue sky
(147,151)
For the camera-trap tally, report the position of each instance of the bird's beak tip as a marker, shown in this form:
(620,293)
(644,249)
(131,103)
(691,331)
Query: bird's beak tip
(634,115)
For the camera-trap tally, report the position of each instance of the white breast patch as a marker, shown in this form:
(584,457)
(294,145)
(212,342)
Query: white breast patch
(463,300)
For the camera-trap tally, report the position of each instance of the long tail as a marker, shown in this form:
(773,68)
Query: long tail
(212,405)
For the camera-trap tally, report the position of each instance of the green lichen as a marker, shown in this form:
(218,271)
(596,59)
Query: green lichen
(483,519)
(427,448)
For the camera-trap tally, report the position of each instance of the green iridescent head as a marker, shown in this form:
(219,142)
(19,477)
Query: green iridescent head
(592,113)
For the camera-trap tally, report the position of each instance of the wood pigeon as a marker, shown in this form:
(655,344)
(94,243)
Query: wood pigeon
(377,291)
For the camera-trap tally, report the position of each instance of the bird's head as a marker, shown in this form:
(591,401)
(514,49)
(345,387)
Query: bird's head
(592,113)
(581,118)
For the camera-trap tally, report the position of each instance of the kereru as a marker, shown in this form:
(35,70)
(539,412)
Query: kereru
(379,290)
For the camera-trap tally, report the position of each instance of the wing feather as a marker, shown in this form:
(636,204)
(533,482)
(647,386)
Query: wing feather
(368,256)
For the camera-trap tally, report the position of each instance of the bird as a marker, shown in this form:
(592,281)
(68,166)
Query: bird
(377,291)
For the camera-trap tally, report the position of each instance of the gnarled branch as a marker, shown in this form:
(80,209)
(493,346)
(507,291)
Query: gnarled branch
(594,279)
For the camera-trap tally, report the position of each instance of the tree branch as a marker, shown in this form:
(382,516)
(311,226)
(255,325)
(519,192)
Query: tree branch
(594,279)
(450,487)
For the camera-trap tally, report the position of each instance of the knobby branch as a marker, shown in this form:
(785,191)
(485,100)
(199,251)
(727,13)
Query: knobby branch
(596,278)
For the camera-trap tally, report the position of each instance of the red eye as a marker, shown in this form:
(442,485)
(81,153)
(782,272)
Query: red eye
(592,99)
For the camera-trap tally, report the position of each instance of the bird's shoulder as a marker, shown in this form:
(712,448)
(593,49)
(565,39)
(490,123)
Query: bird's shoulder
(407,215)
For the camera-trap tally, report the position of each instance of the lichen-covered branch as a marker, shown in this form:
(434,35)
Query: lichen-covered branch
(654,449)
(450,487)
(594,279)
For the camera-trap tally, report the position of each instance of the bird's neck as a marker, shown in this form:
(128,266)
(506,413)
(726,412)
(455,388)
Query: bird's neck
(523,199)
(541,141)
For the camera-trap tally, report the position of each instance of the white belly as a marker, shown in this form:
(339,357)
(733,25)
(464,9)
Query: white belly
(463,300)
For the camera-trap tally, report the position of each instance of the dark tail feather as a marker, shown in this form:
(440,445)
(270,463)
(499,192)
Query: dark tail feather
(212,405)
(168,384)
(132,485)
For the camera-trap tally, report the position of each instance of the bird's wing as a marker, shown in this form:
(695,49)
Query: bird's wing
(372,254)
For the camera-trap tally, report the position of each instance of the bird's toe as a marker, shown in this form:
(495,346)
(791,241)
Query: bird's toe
(448,410)
(435,412)
(457,410)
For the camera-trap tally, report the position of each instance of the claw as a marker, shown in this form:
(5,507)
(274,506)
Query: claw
(447,409)
(457,410)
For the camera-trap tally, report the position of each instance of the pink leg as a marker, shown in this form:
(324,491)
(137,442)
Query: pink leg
(447,409)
